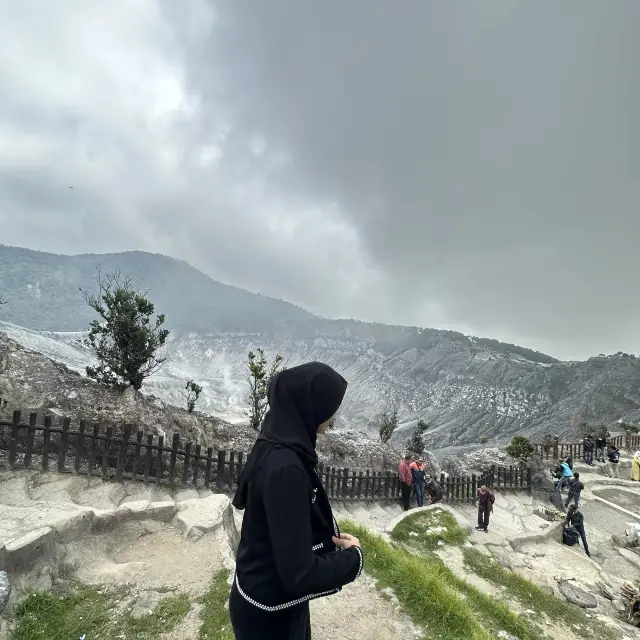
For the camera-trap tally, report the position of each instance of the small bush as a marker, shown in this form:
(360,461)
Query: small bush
(423,530)
(521,448)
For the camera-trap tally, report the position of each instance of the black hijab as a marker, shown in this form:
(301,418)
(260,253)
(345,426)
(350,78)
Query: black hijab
(300,399)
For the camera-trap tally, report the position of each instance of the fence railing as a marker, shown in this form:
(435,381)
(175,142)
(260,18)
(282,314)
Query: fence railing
(136,456)
(555,449)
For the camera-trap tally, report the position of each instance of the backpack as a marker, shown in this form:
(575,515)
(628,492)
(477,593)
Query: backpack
(570,536)
(614,456)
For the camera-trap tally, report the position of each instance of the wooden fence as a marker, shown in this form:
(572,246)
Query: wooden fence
(555,449)
(143,457)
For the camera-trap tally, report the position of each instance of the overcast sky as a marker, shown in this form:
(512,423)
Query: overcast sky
(468,164)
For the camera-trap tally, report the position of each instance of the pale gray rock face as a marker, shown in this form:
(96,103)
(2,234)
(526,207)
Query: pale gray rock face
(464,391)
(466,388)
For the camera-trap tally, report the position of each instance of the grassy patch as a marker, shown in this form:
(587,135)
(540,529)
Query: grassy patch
(534,597)
(216,624)
(445,606)
(424,530)
(96,613)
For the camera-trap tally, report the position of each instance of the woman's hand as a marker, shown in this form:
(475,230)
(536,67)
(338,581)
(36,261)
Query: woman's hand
(346,541)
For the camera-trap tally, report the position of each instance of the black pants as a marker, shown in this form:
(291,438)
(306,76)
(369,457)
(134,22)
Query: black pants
(483,516)
(406,496)
(583,536)
(251,623)
(574,497)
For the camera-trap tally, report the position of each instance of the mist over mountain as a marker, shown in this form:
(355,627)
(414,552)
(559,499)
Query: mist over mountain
(465,387)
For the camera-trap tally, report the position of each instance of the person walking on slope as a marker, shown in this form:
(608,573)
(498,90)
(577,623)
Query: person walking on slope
(417,476)
(576,520)
(291,550)
(433,490)
(566,474)
(486,498)
(406,481)
(575,489)
(613,454)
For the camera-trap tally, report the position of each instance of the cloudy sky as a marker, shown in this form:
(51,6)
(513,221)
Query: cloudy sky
(468,164)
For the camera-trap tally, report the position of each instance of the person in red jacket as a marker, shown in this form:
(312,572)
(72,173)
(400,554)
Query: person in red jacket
(486,498)
(406,480)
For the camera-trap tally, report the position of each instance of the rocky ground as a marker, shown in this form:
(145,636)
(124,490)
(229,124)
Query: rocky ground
(57,527)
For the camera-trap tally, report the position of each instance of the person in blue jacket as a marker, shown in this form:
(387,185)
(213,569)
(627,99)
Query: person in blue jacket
(566,475)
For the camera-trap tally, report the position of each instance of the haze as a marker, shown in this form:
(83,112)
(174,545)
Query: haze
(469,165)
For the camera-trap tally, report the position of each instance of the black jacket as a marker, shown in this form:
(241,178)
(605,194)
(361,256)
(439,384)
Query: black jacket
(576,519)
(286,554)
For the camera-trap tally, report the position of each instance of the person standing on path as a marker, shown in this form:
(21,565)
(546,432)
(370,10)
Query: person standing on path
(613,454)
(406,481)
(576,520)
(575,489)
(587,446)
(635,467)
(486,498)
(291,550)
(417,476)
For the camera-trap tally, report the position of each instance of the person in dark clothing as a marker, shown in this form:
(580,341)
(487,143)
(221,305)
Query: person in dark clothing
(588,446)
(576,519)
(418,479)
(406,481)
(433,490)
(291,550)
(486,498)
(613,455)
(575,489)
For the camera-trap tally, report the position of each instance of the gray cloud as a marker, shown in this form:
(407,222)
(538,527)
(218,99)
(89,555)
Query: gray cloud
(471,165)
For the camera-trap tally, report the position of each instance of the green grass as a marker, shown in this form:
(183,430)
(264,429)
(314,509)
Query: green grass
(445,606)
(423,530)
(216,624)
(96,613)
(534,597)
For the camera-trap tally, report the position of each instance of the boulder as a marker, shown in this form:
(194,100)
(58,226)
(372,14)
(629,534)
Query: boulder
(577,596)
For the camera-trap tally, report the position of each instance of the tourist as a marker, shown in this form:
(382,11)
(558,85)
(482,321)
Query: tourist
(406,481)
(290,550)
(565,475)
(486,498)
(418,479)
(613,454)
(575,489)
(601,444)
(432,489)
(576,520)
(635,467)
(587,446)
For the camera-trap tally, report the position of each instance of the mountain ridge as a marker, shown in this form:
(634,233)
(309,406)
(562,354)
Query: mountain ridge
(467,388)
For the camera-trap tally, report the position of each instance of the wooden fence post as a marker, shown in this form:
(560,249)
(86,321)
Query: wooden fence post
(492,472)
(31,433)
(474,488)
(220,470)
(345,483)
(123,444)
(196,466)
(13,442)
(93,451)
(148,458)
(79,447)
(185,466)
(105,452)
(207,478)
(529,481)
(64,443)
(232,469)
(136,456)
(159,460)
(175,445)
(46,440)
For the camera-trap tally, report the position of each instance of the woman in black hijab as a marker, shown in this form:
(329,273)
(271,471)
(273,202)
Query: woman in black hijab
(291,550)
